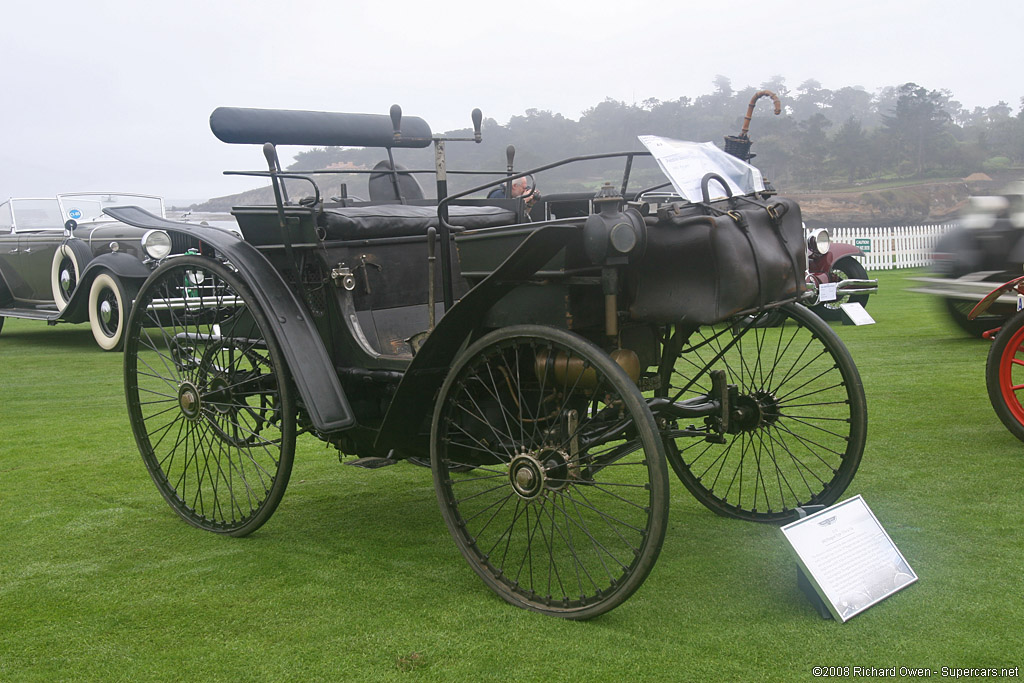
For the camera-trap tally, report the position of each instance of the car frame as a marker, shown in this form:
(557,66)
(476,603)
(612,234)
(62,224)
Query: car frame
(548,369)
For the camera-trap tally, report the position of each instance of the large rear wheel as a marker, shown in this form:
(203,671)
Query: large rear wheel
(209,398)
(797,420)
(565,507)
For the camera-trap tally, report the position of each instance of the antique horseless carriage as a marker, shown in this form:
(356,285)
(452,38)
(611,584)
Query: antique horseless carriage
(547,361)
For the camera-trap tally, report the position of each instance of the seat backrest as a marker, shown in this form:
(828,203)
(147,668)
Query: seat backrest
(382,185)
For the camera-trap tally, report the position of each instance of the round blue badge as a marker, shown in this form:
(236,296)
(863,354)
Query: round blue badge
(75,213)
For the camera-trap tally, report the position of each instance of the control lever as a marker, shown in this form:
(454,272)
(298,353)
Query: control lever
(478,119)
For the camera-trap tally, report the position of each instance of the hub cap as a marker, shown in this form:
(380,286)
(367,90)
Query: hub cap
(531,474)
(188,401)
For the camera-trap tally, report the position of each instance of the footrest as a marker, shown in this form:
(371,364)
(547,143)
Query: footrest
(372,463)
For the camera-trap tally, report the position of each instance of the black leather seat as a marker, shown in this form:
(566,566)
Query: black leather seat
(381,185)
(403,220)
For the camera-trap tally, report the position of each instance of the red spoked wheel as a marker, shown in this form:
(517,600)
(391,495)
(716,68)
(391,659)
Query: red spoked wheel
(1004,375)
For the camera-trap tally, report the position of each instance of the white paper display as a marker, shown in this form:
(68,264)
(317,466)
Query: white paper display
(686,163)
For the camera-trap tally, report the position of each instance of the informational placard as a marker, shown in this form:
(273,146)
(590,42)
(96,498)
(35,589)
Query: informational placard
(827,291)
(848,557)
(856,314)
(863,243)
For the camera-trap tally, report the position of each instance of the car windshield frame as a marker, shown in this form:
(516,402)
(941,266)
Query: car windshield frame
(86,207)
(34,214)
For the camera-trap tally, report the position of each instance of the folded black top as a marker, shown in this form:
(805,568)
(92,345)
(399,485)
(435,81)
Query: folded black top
(401,220)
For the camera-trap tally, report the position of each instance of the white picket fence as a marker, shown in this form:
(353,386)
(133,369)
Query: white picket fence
(888,248)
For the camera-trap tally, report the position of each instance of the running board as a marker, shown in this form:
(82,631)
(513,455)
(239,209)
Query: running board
(29,314)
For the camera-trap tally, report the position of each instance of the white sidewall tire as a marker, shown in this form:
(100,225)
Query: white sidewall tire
(103,282)
(63,251)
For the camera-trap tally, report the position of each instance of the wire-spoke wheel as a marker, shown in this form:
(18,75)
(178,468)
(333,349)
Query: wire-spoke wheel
(209,398)
(564,509)
(797,418)
(1004,375)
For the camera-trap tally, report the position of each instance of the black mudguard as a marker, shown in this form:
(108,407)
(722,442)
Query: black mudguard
(125,266)
(414,398)
(308,361)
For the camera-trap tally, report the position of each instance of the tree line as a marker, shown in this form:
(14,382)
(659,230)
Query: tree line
(823,139)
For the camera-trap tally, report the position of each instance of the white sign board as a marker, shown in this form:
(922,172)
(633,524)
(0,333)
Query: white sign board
(827,291)
(848,558)
(857,314)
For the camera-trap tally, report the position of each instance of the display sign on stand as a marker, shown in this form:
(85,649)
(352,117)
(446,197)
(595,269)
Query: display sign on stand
(856,314)
(848,557)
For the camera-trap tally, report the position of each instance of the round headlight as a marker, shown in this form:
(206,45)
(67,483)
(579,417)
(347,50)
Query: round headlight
(156,244)
(819,241)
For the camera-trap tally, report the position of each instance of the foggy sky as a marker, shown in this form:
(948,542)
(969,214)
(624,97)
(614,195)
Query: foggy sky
(112,95)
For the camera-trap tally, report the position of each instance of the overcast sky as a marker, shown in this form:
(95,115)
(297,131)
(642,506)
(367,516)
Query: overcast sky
(115,95)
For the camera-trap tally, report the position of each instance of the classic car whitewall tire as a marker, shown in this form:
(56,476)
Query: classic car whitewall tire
(63,258)
(108,311)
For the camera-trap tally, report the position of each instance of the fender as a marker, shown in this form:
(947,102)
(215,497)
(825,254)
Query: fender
(991,297)
(413,399)
(125,266)
(310,365)
(836,251)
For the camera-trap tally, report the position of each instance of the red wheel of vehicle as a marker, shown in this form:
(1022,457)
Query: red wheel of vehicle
(1004,375)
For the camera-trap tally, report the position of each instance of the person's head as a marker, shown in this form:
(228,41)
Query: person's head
(519,187)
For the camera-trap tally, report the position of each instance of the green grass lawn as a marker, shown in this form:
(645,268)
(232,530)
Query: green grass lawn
(356,576)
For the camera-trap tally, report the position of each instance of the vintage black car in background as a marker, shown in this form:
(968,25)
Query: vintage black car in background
(546,368)
(63,260)
(984,250)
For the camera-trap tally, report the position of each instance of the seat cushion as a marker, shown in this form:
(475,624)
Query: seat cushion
(401,220)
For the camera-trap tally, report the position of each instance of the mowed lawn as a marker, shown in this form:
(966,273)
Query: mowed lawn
(357,578)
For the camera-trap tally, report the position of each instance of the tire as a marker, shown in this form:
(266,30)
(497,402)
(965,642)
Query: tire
(1004,375)
(109,304)
(958,310)
(797,425)
(565,510)
(65,270)
(843,269)
(210,400)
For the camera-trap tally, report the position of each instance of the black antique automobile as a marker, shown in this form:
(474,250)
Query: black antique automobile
(546,369)
(63,260)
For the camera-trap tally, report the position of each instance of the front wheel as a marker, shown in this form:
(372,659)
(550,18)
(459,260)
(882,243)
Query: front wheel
(109,303)
(1004,375)
(565,507)
(210,401)
(797,421)
(847,268)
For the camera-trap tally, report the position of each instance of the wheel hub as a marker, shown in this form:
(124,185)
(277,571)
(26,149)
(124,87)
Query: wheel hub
(189,402)
(65,280)
(106,312)
(530,474)
(220,395)
(753,411)
(527,476)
